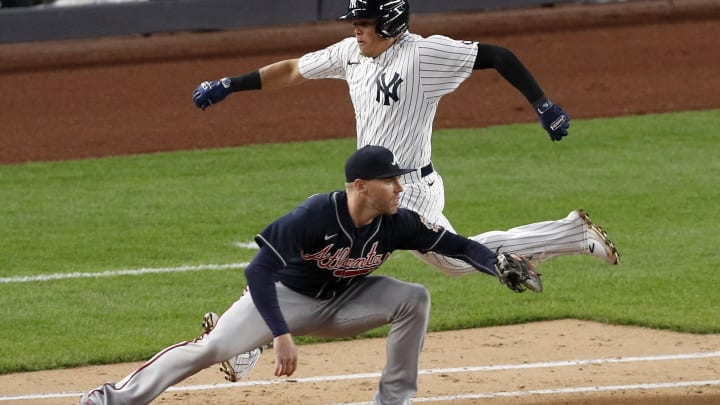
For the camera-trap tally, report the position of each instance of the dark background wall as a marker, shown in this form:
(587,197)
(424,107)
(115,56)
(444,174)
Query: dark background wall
(47,22)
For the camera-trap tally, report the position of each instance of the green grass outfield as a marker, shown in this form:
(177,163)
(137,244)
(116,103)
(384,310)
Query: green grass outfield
(651,181)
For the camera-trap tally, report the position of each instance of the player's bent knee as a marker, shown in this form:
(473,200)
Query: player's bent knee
(420,298)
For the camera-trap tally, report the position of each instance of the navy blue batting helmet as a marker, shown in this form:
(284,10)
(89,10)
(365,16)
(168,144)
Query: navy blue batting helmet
(392,15)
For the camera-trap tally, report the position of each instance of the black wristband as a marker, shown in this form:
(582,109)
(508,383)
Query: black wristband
(248,81)
(537,104)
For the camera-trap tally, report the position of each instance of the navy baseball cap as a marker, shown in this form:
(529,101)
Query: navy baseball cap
(372,162)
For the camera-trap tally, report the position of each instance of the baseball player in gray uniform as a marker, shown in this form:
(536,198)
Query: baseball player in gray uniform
(312,276)
(396,80)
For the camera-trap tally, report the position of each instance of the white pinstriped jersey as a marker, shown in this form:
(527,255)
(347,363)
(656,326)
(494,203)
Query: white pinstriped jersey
(395,95)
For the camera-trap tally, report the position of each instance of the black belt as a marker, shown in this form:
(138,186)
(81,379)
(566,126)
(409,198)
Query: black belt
(426,170)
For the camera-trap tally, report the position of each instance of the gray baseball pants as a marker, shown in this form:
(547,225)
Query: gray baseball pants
(368,303)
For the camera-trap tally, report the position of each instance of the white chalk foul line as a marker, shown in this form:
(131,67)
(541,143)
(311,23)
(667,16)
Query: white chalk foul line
(251,245)
(568,363)
(126,272)
(486,395)
(556,391)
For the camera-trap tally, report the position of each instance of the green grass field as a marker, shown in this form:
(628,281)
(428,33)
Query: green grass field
(650,181)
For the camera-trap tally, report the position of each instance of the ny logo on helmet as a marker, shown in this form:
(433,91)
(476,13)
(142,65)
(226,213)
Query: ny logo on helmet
(353,4)
(389,90)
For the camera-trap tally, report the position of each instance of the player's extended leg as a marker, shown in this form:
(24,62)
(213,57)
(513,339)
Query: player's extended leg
(573,235)
(239,329)
(375,301)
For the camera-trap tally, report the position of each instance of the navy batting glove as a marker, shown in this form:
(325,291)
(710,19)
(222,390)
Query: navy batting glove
(554,119)
(209,93)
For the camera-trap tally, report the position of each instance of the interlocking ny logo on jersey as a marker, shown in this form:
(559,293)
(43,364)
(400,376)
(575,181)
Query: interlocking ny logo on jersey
(389,90)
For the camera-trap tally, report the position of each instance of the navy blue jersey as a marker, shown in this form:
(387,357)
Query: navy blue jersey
(323,252)
(317,251)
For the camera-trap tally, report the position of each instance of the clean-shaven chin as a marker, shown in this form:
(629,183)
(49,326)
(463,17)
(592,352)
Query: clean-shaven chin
(394,204)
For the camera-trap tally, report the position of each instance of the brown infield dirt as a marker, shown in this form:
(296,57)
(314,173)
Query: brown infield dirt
(130,95)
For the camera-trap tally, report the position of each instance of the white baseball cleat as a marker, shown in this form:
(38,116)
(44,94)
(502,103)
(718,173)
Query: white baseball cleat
(85,400)
(239,365)
(598,243)
(209,321)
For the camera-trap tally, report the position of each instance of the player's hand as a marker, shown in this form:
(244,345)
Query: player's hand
(554,119)
(212,92)
(285,355)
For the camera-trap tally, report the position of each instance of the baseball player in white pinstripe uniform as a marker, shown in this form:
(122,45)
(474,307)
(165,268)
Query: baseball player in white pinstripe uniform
(396,79)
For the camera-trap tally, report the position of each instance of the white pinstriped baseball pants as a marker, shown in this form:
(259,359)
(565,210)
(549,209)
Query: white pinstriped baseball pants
(538,241)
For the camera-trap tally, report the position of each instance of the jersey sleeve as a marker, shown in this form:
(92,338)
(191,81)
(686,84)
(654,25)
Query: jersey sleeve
(423,236)
(260,276)
(413,232)
(474,253)
(280,243)
(445,63)
(327,63)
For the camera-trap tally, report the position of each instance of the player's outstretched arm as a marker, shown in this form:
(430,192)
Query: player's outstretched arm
(553,118)
(281,74)
(274,76)
(514,271)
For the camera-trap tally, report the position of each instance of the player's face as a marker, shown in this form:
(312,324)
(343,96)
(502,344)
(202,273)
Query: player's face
(370,44)
(383,195)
